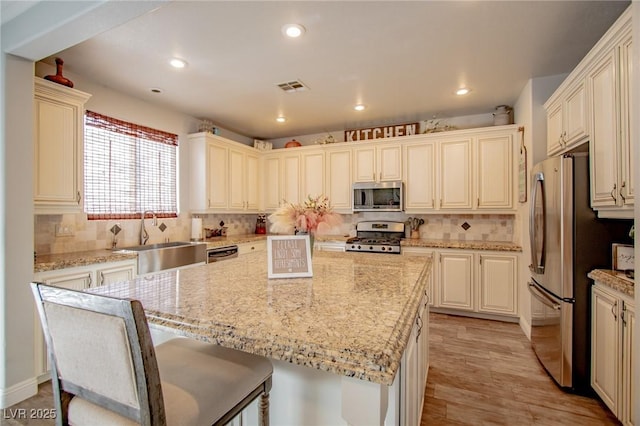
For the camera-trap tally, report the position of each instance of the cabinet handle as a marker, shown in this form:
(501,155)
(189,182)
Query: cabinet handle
(78,197)
(374,177)
(90,280)
(478,203)
(380,177)
(101,278)
(613,308)
(613,192)
(624,183)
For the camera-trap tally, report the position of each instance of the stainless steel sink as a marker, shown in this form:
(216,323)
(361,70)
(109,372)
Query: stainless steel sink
(157,257)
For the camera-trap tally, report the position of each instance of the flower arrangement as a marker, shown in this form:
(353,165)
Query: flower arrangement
(314,215)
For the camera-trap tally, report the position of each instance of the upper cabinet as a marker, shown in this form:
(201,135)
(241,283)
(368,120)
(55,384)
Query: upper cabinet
(338,178)
(593,104)
(465,171)
(224,175)
(567,119)
(377,162)
(58,147)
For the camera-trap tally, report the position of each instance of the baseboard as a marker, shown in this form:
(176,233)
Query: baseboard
(18,392)
(526,327)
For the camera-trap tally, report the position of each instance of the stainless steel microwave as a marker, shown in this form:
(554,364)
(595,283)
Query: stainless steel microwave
(377,197)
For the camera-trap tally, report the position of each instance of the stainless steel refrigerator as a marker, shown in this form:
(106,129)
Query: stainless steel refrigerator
(567,241)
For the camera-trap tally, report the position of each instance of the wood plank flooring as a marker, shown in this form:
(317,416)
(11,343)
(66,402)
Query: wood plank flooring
(482,373)
(485,373)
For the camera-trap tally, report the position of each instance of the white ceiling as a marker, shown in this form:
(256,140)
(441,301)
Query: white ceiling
(404,60)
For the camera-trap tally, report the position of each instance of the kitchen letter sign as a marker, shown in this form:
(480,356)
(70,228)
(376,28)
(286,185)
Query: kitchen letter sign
(380,132)
(289,256)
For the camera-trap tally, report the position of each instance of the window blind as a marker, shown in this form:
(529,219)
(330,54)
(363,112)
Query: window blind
(128,169)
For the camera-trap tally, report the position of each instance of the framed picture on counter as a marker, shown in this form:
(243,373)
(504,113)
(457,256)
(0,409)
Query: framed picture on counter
(289,256)
(623,257)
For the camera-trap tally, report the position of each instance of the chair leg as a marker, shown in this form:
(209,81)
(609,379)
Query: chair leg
(263,416)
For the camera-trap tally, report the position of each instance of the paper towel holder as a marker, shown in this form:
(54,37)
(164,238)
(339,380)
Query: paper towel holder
(196,229)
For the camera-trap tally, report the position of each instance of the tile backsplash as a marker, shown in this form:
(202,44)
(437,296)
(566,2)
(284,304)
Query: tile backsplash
(96,234)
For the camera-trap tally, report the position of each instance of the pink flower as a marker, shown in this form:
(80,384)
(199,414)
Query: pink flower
(314,216)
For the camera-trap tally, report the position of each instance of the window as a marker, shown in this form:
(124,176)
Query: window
(127,169)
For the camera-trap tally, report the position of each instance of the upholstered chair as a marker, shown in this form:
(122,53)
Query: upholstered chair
(106,371)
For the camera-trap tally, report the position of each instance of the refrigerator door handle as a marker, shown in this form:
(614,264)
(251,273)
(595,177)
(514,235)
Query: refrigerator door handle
(546,300)
(537,224)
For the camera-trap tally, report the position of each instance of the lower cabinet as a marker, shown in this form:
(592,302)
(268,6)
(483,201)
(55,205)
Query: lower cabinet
(415,367)
(612,350)
(79,278)
(329,246)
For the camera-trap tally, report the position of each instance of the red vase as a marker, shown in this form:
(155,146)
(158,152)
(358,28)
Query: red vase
(58,78)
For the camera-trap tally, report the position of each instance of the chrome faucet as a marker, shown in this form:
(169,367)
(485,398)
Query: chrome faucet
(144,235)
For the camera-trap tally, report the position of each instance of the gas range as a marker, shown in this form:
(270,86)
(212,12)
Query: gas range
(377,237)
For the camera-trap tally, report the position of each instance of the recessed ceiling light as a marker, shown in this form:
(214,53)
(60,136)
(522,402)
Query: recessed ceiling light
(360,107)
(462,91)
(155,90)
(178,63)
(281,119)
(293,30)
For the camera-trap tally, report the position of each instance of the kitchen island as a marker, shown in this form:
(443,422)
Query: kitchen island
(337,340)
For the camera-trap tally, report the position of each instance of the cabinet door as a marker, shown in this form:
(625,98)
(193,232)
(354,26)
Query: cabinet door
(629,393)
(338,179)
(251,173)
(495,172)
(497,284)
(423,353)
(364,164)
(455,174)
(627,160)
(409,414)
(312,174)
(575,116)
(554,128)
(291,179)
(112,274)
(419,175)
(456,281)
(389,162)
(604,347)
(604,133)
(272,185)
(217,176)
(237,180)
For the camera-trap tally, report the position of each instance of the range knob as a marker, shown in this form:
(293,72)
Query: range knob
(370,247)
(359,247)
(383,248)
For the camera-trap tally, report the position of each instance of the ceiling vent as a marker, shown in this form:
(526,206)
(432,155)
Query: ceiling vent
(293,86)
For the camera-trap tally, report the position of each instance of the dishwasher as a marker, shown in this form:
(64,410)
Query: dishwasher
(218,254)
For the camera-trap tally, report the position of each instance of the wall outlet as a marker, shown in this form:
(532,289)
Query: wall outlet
(63,230)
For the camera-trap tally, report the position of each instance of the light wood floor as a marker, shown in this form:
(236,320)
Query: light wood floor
(482,373)
(485,372)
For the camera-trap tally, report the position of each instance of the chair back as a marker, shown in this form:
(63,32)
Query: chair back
(101,351)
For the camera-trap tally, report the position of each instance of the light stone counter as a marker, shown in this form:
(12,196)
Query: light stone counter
(50,262)
(459,244)
(614,280)
(352,318)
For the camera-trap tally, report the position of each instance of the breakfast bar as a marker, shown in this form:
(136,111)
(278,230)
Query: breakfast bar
(336,340)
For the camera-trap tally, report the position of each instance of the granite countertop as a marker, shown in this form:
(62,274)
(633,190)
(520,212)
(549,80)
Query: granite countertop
(458,244)
(614,279)
(352,318)
(50,262)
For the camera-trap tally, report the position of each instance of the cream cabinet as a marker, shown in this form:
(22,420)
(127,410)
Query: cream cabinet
(612,350)
(224,175)
(427,252)
(477,281)
(58,148)
(312,174)
(456,171)
(290,178)
(251,247)
(420,175)
(455,280)
(497,284)
(567,119)
(611,147)
(272,196)
(461,172)
(338,179)
(79,278)
(243,180)
(377,162)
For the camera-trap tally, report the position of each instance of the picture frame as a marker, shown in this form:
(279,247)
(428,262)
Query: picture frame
(622,257)
(289,256)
